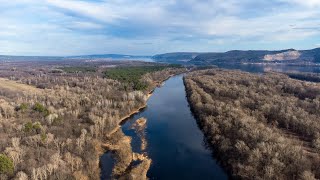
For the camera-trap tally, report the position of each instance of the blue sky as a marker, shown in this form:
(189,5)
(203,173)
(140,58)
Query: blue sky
(147,27)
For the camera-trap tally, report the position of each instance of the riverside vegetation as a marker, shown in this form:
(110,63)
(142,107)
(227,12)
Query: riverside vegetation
(261,126)
(55,116)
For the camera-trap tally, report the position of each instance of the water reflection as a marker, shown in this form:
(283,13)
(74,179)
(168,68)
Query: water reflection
(260,68)
(107,163)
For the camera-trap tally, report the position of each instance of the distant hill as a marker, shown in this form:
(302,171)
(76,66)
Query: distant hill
(238,56)
(235,56)
(112,56)
(81,57)
(176,57)
(29,58)
(314,53)
(291,56)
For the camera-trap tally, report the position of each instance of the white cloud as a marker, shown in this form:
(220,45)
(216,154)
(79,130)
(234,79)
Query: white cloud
(57,26)
(113,10)
(272,27)
(306,3)
(95,10)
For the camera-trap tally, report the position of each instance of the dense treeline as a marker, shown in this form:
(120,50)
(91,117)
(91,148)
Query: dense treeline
(131,76)
(78,69)
(312,77)
(55,131)
(262,126)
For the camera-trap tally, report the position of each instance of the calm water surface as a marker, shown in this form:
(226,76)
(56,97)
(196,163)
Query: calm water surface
(260,68)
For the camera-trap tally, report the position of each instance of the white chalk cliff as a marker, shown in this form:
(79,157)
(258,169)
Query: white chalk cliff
(288,55)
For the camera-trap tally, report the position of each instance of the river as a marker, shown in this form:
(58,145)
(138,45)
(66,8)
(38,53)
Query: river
(175,143)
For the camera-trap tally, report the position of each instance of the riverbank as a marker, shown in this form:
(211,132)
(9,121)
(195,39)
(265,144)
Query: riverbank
(121,147)
(242,127)
(128,163)
(123,154)
(133,112)
(137,110)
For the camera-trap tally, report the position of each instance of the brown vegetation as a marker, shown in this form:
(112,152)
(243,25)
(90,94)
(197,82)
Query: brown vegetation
(261,126)
(138,172)
(17,87)
(120,146)
(55,131)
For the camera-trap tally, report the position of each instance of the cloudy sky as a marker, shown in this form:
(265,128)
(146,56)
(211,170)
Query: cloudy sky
(147,27)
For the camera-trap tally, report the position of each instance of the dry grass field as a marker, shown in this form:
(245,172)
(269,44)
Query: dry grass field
(18,87)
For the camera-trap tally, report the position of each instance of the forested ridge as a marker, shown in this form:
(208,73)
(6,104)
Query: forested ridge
(132,76)
(53,123)
(310,57)
(261,126)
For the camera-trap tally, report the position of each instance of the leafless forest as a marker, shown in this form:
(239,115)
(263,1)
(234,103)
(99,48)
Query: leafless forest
(261,126)
(54,117)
